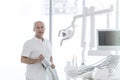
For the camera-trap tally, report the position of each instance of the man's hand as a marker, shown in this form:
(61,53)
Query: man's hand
(52,66)
(41,57)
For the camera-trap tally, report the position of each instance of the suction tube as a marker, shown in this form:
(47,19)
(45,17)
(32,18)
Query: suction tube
(51,72)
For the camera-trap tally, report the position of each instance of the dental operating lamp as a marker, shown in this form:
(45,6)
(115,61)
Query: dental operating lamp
(68,32)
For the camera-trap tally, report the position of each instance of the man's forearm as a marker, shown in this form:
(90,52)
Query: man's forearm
(28,60)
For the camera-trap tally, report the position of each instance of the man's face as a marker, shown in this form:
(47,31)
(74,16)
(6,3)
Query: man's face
(39,28)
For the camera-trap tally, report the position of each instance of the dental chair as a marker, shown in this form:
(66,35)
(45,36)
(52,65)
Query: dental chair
(102,70)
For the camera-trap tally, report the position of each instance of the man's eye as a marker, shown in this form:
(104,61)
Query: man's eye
(37,27)
(42,26)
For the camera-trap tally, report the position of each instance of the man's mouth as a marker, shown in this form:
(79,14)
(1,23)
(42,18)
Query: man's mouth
(40,32)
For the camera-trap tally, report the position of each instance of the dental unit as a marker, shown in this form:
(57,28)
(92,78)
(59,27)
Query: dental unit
(105,66)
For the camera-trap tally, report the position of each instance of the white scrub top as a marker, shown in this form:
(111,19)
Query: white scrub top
(32,49)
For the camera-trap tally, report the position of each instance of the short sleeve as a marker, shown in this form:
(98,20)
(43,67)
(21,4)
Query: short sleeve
(26,49)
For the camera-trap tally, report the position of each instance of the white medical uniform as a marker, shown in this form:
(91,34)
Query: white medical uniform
(32,49)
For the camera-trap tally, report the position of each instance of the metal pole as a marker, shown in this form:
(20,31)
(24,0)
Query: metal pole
(50,21)
(83,35)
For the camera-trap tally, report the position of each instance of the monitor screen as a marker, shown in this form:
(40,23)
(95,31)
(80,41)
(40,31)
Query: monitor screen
(108,39)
